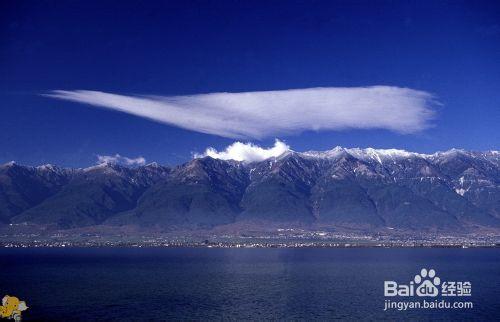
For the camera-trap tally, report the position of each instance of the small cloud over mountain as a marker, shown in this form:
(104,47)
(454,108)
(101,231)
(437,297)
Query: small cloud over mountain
(246,152)
(119,159)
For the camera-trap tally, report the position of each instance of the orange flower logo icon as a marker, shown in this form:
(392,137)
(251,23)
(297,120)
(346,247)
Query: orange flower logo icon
(12,308)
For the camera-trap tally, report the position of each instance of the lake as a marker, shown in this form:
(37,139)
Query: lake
(135,284)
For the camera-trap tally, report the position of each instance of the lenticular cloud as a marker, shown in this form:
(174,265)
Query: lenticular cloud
(272,113)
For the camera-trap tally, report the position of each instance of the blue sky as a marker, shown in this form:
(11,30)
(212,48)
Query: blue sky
(158,50)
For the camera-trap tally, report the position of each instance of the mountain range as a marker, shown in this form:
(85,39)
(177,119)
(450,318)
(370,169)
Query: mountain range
(367,189)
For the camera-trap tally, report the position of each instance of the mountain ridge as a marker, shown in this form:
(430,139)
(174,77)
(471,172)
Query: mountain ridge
(355,188)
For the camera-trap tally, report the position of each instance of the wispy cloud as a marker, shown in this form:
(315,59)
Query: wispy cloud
(246,152)
(119,159)
(272,113)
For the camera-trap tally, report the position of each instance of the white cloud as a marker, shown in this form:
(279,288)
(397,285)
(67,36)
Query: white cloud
(246,152)
(119,159)
(271,113)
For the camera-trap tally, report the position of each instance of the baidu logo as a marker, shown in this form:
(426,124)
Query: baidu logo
(427,284)
(422,293)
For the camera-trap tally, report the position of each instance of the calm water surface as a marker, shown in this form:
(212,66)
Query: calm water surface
(244,284)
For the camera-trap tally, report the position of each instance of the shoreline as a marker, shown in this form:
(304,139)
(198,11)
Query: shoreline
(238,246)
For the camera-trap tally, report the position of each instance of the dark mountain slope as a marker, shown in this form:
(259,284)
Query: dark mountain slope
(24,187)
(93,195)
(202,193)
(280,190)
